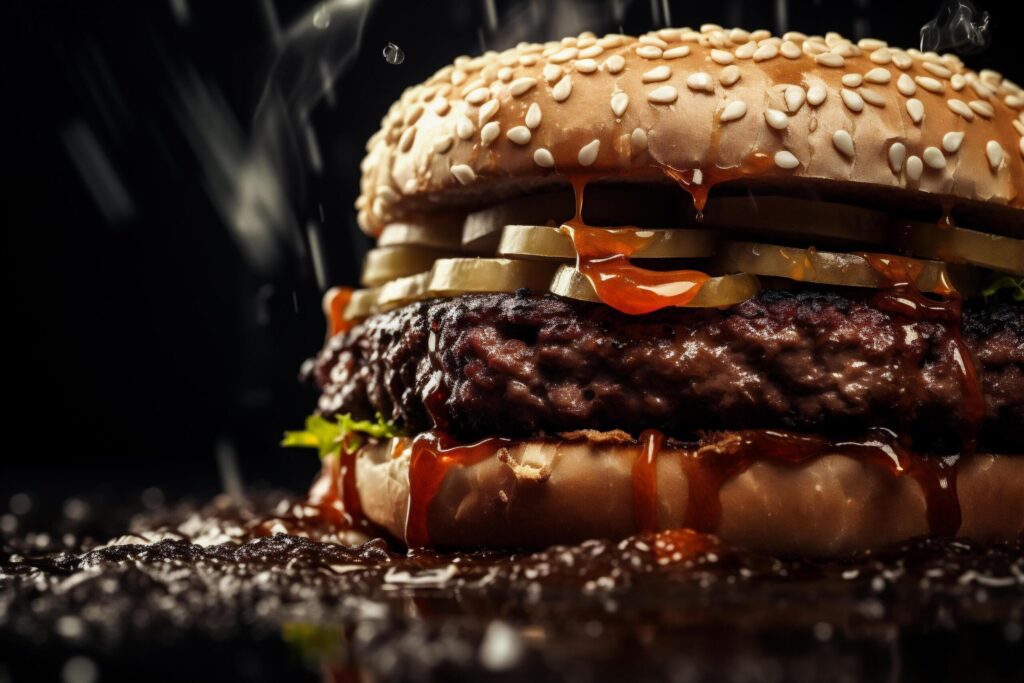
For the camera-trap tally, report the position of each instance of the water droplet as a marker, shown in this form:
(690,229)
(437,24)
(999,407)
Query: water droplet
(393,54)
(321,18)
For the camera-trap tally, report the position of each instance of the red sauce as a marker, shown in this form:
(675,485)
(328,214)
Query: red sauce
(907,302)
(602,255)
(434,454)
(708,468)
(645,481)
(699,181)
(335,301)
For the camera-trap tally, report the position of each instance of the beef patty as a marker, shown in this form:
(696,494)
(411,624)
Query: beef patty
(522,364)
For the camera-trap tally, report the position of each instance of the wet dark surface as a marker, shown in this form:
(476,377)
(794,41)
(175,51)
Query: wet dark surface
(189,594)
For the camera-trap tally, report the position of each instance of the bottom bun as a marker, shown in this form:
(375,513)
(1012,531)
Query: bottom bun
(541,492)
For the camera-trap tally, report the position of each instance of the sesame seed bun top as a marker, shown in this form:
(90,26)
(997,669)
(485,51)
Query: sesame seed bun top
(819,109)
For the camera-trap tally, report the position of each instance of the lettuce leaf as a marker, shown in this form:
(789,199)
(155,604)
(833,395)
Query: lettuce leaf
(1004,284)
(328,436)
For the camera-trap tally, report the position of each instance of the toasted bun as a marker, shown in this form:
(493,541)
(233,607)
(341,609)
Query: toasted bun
(861,115)
(550,492)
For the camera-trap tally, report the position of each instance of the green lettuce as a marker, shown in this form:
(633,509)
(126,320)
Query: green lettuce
(1004,284)
(329,435)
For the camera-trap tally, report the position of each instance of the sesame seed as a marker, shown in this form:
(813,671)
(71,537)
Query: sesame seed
(649,51)
(830,59)
(872,97)
(648,39)
(440,106)
(552,73)
(981,108)
(914,168)
(458,78)
(930,84)
(766,52)
(905,84)
(620,101)
(786,159)
(760,34)
(916,109)
(934,158)
(937,69)
(794,97)
(878,75)
(489,109)
(699,81)
(846,49)
(562,89)
(520,135)
(729,75)
(776,119)
(478,83)
(676,52)
(588,153)
(489,133)
(902,61)
(980,88)
(666,94)
(722,57)
(542,157)
(528,60)
(816,94)
(736,109)
(951,141)
(658,73)
(464,128)
(990,77)
(795,36)
(708,28)
(739,36)
(585,66)
(843,142)
(1021,145)
(533,116)
(994,152)
(443,143)
(614,64)
(405,142)
(881,56)
(478,96)
(790,50)
(958,82)
(521,86)
(564,55)
(852,80)
(871,43)
(591,52)
(1019,127)
(1014,101)
(638,141)
(463,173)
(746,51)
(852,100)
(505,74)
(961,108)
(897,154)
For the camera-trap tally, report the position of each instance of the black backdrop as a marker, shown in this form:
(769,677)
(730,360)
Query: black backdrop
(142,341)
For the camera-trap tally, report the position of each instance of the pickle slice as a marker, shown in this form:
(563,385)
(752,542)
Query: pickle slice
(725,290)
(960,245)
(362,303)
(389,263)
(454,276)
(548,243)
(836,268)
(447,235)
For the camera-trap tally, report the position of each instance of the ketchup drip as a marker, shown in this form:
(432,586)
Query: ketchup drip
(434,454)
(909,304)
(335,301)
(708,468)
(645,481)
(602,255)
(699,181)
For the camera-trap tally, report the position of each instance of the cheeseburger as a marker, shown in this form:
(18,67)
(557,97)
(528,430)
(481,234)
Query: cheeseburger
(768,288)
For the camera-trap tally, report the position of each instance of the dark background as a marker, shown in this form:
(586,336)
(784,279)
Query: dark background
(147,339)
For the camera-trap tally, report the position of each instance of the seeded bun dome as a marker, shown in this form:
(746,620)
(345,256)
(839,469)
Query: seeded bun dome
(861,116)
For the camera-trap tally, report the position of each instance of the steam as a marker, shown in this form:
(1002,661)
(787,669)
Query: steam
(959,26)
